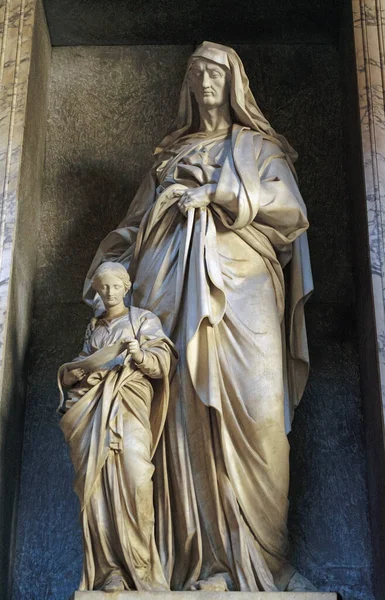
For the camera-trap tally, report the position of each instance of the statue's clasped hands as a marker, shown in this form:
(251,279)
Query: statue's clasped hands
(198,197)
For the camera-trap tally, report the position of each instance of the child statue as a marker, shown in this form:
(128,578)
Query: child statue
(113,419)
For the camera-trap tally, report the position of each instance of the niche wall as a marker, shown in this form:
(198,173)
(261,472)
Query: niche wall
(107,109)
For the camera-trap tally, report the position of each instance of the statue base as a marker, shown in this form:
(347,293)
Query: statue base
(205,596)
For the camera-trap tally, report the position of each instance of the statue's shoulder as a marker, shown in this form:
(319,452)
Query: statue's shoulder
(270,147)
(92,324)
(142,314)
(137,312)
(245,136)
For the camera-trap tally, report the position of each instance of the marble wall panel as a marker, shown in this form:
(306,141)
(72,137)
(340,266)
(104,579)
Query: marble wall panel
(368,77)
(108,107)
(369,22)
(25,63)
(16,30)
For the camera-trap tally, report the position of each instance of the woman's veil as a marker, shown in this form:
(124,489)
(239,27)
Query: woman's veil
(243,104)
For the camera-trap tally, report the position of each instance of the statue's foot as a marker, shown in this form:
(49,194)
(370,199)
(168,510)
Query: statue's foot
(299,583)
(216,583)
(113,584)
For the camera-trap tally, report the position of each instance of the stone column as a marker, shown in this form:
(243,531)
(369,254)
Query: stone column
(369,40)
(24,67)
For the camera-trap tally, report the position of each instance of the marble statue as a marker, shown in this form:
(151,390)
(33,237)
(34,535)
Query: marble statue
(114,415)
(205,241)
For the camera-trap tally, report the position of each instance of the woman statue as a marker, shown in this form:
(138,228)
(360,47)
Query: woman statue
(205,241)
(114,416)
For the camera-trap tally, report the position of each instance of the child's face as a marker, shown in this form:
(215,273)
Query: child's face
(111,289)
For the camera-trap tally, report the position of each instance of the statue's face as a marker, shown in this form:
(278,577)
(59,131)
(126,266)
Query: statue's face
(111,289)
(210,83)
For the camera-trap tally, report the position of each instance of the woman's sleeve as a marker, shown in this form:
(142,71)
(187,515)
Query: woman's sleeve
(256,184)
(150,366)
(155,347)
(281,206)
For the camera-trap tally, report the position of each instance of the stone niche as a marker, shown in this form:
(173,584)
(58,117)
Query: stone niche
(98,102)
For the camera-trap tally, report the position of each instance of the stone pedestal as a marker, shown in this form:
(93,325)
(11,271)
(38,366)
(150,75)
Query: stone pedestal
(205,596)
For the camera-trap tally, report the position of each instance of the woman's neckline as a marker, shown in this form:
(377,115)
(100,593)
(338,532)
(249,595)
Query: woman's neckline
(221,130)
(225,130)
(206,134)
(124,313)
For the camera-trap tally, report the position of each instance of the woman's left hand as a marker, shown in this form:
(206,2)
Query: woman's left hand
(135,351)
(198,197)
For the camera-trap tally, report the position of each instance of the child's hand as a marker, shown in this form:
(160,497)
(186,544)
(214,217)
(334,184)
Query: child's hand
(71,377)
(135,351)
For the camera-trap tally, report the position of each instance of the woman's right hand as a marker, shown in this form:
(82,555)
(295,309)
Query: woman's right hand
(69,378)
(198,197)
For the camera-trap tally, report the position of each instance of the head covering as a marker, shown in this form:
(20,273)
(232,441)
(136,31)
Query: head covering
(242,101)
(111,267)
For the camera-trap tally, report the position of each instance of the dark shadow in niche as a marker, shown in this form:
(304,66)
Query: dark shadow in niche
(101,196)
(328,517)
(113,22)
(12,430)
(106,194)
(54,564)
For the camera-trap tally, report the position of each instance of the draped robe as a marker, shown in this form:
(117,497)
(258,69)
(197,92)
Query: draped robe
(215,280)
(113,422)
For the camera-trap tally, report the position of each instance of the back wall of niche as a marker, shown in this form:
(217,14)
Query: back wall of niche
(108,108)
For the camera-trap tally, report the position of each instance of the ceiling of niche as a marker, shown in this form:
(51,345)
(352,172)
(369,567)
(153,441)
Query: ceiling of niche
(126,22)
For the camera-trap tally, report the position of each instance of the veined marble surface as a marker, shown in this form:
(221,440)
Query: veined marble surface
(25,56)
(369,33)
(16,28)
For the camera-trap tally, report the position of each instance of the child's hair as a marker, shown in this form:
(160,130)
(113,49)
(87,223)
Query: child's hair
(116,268)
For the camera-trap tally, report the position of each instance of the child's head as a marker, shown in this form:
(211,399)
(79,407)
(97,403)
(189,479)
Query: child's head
(112,283)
